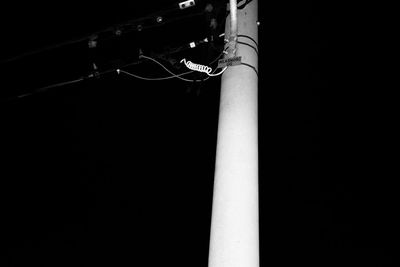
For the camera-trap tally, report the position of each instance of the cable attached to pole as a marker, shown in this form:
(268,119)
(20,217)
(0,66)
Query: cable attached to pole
(97,74)
(154,79)
(249,45)
(250,38)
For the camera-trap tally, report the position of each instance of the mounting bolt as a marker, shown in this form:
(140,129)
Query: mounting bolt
(186,4)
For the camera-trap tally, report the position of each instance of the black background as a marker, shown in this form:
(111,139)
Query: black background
(118,171)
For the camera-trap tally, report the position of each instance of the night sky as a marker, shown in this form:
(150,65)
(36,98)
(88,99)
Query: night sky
(116,171)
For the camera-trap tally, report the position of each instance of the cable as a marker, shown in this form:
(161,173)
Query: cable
(245,4)
(130,24)
(204,68)
(250,38)
(217,58)
(250,66)
(219,73)
(170,72)
(223,52)
(201,68)
(43,89)
(41,50)
(152,79)
(163,78)
(255,49)
(173,75)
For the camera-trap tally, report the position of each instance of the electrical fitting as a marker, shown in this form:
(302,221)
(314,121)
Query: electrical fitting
(92,42)
(187,4)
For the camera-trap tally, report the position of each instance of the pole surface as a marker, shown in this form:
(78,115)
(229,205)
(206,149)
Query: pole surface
(234,237)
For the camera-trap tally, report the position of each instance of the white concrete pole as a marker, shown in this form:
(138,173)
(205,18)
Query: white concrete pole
(234,239)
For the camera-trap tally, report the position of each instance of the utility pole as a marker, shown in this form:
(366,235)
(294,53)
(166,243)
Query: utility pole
(234,237)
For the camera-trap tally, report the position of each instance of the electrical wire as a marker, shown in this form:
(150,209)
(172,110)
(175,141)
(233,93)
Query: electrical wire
(109,29)
(152,79)
(250,66)
(173,75)
(255,49)
(43,89)
(98,74)
(250,38)
(244,4)
(221,54)
(51,86)
(243,43)
(219,73)
(165,68)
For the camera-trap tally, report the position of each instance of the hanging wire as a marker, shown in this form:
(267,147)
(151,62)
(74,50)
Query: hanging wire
(219,73)
(153,79)
(165,68)
(45,88)
(173,75)
(170,72)
(250,66)
(128,27)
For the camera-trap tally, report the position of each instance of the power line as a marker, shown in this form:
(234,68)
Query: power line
(127,27)
(178,76)
(170,72)
(98,74)
(219,73)
(154,79)
(173,75)
(44,89)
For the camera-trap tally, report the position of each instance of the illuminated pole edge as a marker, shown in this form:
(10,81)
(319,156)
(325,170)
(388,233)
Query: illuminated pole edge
(234,237)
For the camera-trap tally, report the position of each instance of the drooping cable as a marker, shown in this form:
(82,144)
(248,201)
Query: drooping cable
(153,79)
(165,68)
(219,73)
(129,26)
(43,89)
(173,75)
